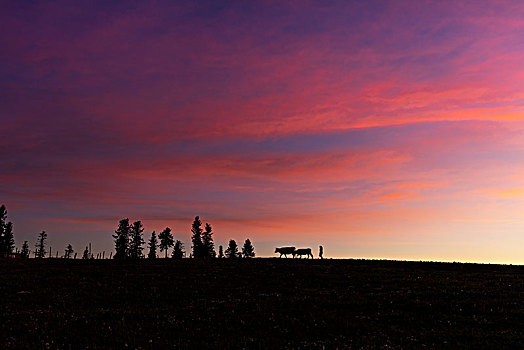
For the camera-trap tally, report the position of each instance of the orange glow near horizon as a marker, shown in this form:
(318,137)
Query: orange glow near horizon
(376,129)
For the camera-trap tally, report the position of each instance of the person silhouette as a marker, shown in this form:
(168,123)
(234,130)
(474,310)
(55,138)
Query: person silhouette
(321,252)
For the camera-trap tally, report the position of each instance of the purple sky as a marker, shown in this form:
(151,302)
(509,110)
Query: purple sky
(379,129)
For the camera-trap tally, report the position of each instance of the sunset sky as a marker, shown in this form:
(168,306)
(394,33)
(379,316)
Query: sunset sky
(378,129)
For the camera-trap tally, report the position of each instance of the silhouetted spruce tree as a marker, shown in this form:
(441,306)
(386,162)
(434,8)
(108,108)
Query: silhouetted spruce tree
(178,250)
(3,218)
(25,250)
(196,238)
(40,245)
(7,241)
(232,250)
(153,243)
(208,246)
(121,237)
(166,240)
(68,251)
(135,245)
(85,256)
(220,252)
(247,250)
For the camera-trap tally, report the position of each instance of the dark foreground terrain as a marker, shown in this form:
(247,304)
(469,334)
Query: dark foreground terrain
(259,303)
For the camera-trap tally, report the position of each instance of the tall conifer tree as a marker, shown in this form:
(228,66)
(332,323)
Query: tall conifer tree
(166,240)
(25,250)
(3,218)
(208,247)
(40,245)
(232,250)
(136,241)
(153,244)
(196,238)
(121,237)
(247,250)
(7,240)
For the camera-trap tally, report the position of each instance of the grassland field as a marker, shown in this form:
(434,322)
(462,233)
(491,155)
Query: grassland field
(261,303)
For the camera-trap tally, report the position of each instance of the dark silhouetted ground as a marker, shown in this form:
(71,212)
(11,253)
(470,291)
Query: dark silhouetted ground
(260,304)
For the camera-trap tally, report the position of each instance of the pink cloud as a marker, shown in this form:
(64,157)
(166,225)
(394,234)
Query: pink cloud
(291,120)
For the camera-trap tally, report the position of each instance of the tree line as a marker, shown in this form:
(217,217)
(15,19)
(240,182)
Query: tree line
(129,243)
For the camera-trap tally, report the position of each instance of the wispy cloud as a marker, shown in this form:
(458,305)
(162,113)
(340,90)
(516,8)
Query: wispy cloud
(341,120)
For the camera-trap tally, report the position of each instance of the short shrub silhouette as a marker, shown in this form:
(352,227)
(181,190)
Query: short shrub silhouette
(85,256)
(178,250)
(68,251)
(232,250)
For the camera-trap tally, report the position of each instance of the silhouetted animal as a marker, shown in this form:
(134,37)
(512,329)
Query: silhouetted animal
(305,251)
(285,251)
